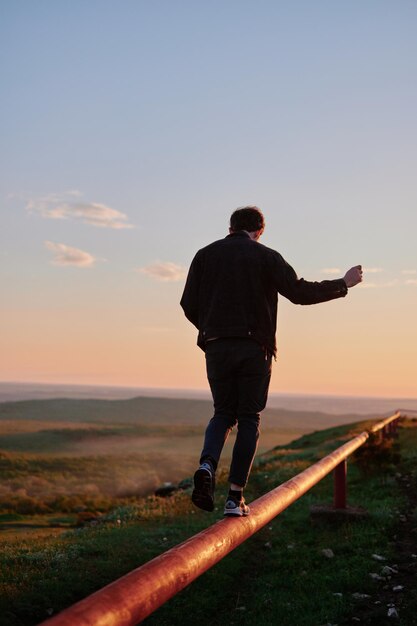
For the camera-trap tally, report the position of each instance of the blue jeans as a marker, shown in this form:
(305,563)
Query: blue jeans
(239,371)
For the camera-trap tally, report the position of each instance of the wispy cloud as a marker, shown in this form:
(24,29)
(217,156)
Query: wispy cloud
(164,271)
(338,271)
(372,270)
(65,255)
(68,206)
(408,272)
(386,285)
(411,281)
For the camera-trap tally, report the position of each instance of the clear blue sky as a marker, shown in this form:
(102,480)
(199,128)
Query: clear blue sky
(131,130)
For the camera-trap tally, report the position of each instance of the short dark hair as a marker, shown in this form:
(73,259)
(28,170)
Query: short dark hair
(248,218)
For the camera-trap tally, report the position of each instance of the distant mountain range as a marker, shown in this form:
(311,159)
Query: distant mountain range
(147,410)
(331,404)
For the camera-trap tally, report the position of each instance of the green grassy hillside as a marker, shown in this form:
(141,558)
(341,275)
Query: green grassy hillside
(146,410)
(281,575)
(69,454)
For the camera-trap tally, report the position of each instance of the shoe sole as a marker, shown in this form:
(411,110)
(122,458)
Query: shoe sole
(237,512)
(202,495)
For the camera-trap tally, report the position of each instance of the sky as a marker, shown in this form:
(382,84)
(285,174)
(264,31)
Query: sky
(131,130)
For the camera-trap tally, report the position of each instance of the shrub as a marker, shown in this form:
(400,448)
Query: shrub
(377,456)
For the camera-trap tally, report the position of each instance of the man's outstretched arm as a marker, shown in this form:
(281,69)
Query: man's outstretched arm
(300,291)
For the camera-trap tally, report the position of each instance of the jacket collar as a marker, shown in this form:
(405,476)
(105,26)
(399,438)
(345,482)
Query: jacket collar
(239,233)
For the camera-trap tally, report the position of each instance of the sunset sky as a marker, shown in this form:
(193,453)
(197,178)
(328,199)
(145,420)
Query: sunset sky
(131,130)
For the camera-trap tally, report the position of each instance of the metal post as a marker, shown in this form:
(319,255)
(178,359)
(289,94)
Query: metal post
(340,487)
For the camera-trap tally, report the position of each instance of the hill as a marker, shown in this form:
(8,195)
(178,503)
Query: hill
(296,572)
(149,410)
(63,454)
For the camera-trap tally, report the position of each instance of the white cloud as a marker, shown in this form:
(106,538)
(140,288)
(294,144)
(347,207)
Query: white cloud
(65,206)
(331,270)
(408,272)
(411,281)
(165,271)
(65,255)
(372,270)
(367,285)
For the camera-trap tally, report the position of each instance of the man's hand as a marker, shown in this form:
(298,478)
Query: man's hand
(353,276)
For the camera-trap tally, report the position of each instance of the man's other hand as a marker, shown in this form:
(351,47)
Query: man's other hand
(353,276)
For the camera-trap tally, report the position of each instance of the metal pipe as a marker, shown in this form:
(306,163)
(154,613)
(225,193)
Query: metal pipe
(130,599)
(381,425)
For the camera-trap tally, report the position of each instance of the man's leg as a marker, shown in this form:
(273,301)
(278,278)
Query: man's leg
(204,479)
(244,449)
(219,361)
(217,432)
(253,384)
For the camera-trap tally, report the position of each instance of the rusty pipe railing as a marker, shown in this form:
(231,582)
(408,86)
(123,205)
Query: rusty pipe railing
(392,420)
(387,428)
(130,599)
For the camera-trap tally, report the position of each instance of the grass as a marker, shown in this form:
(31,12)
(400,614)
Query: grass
(66,455)
(280,575)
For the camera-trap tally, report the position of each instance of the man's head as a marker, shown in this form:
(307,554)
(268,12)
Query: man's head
(248,218)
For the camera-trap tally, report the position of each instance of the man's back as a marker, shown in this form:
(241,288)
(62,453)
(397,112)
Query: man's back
(232,289)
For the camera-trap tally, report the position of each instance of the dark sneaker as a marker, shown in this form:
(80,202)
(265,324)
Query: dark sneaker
(204,483)
(236,508)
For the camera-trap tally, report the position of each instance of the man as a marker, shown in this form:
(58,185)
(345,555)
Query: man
(231,297)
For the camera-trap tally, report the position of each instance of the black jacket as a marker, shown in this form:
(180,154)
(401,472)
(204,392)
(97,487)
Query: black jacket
(232,290)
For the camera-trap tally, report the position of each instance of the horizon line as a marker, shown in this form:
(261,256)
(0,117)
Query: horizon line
(196,390)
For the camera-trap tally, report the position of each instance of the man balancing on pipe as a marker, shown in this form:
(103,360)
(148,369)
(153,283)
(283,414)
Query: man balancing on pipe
(231,297)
